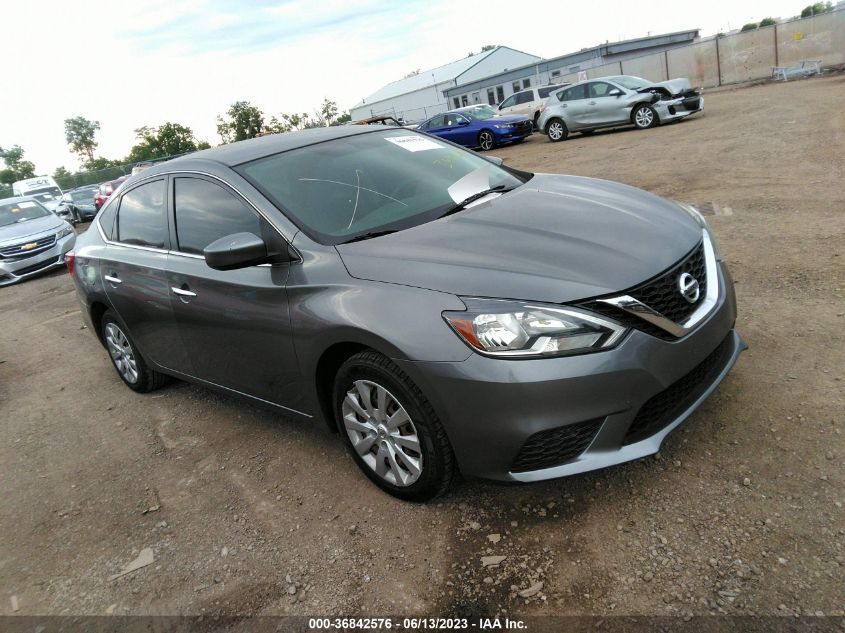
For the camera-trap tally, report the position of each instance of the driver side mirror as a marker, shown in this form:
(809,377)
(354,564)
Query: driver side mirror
(615,93)
(463,122)
(240,250)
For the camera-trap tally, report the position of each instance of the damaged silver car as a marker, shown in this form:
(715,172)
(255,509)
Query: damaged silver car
(615,101)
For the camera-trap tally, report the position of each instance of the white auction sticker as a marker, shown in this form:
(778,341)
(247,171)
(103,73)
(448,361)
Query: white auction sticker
(26,204)
(413,143)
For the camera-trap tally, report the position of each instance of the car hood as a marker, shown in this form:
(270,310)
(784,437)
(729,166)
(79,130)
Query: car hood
(675,87)
(31,228)
(554,239)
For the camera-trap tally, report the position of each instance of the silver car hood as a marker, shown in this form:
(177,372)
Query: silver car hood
(20,231)
(555,239)
(674,86)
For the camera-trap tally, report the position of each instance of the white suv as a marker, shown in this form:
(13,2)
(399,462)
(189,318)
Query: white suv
(527,102)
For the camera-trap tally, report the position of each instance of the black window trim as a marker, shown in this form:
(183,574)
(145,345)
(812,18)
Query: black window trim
(295,254)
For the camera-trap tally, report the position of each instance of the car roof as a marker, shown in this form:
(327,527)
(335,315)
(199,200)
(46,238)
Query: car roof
(241,152)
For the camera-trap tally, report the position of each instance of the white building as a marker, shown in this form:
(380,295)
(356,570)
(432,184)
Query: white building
(422,95)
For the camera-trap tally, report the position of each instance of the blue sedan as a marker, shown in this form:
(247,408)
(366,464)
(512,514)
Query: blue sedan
(478,126)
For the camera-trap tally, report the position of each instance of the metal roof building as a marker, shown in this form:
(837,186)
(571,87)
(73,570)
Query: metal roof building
(421,95)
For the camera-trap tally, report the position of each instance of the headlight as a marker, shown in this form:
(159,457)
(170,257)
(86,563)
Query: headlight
(64,232)
(503,126)
(516,329)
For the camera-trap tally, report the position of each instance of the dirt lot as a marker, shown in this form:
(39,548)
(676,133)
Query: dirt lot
(247,512)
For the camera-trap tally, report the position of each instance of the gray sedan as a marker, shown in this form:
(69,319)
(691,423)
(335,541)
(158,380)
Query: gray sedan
(32,239)
(616,101)
(438,310)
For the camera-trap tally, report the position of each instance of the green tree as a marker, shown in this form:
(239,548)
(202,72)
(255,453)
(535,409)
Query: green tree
(814,9)
(61,172)
(101,163)
(768,22)
(288,123)
(343,118)
(16,167)
(79,134)
(748,27)
(242,121)
(157,142)
(327,113)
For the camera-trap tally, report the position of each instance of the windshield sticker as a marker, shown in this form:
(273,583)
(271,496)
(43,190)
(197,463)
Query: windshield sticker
(26,204)
(413,143)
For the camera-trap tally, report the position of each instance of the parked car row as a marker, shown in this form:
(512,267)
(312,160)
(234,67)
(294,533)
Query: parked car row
(557,110)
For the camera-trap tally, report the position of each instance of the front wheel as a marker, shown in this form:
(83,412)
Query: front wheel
(644,117)
(391,430)
(486,140)
(557,130)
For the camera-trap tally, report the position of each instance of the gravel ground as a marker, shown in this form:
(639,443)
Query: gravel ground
(244,511)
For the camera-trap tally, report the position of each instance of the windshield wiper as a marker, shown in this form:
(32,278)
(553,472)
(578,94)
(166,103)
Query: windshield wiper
(369,235)
(463,203)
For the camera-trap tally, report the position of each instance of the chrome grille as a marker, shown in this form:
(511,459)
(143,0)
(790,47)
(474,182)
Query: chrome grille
(19,250)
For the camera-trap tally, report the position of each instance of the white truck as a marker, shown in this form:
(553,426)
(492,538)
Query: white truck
(42,188)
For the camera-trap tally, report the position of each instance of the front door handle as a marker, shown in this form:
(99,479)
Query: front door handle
(592,103)
(183,293)
(111,279)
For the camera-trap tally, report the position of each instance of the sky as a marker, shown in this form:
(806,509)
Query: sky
(134,64)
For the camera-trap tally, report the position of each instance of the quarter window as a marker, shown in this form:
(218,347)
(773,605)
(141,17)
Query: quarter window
(205,212)
(142,216)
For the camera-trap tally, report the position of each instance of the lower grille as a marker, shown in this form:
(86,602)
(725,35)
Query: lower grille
(666,406)
(34,268)
(556,446)
(693,103)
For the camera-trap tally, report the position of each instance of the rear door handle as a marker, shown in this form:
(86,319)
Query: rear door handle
(112,280)
(183,293)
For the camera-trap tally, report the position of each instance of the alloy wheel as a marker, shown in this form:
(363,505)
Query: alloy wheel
(121,353)
(486,141)
(556,130)
(644,117)
(382,433)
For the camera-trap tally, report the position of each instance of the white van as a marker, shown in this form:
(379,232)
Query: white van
(42,188)
(527,102)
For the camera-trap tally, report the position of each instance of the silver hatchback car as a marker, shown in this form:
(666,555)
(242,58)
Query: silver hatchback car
(616,101)
(32,239)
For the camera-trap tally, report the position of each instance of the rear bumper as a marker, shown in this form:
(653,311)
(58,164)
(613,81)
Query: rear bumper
(494,409)
(13,271)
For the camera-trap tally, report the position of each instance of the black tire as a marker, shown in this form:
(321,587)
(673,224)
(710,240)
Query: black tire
(536,119)
(486,140)
(146,379)
(556,130)
(644,117)
(437,458)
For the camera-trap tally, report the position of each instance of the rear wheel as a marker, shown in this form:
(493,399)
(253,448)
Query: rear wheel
(130,365)
(390,429)
(557,131)
(486,140)
(644,117)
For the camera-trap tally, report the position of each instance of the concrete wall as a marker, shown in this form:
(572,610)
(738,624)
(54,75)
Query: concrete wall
(741,56)
(821,37)
(651,67)
(697,62)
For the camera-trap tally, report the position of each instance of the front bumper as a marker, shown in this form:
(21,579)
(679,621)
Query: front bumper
(18,269)
(678,108)
(493,409)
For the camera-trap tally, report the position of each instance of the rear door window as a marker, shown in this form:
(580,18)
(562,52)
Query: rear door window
(206,211)
(142,216)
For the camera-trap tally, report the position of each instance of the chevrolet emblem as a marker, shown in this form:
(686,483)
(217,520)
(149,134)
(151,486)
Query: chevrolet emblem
(29,247)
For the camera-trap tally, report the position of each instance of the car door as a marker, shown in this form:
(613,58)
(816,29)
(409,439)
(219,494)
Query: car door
(436,125)
(574,107)
(134,272)
(605,109)
(508,105)
(236,323)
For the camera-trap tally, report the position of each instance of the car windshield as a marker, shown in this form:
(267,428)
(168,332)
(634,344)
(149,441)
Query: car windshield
(86,196)
(379,181)
(45,194)
(21,211)
(480,113)
(630,82)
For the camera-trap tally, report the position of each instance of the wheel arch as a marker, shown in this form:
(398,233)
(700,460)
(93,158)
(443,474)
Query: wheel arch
(636,105)
(96,311)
